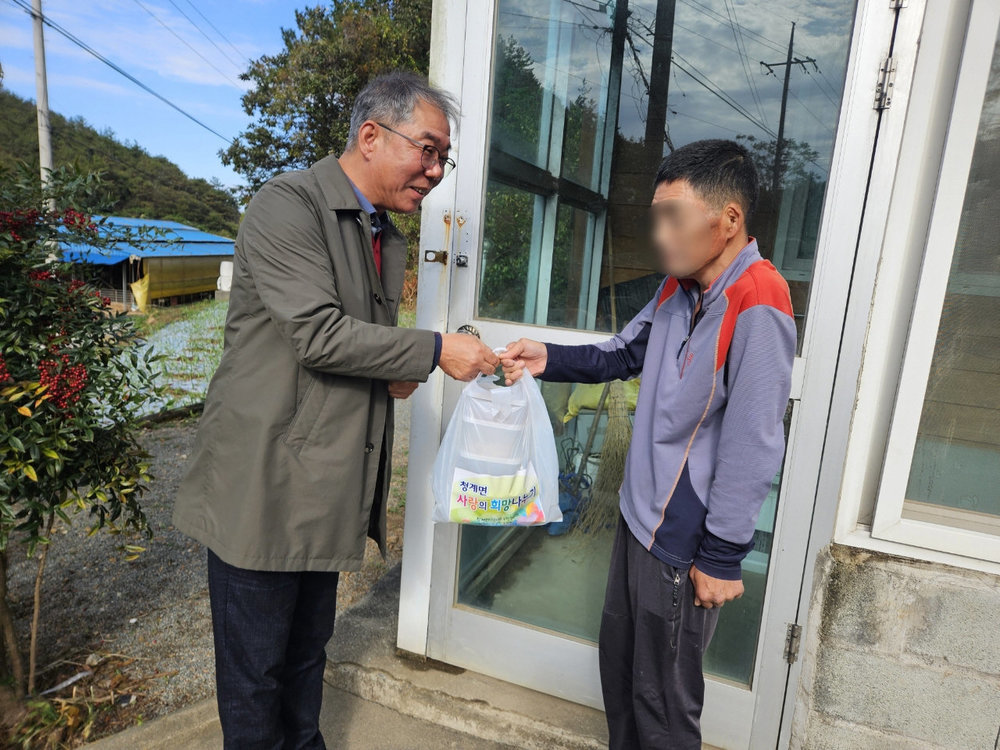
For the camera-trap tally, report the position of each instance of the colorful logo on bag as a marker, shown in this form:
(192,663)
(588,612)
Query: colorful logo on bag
(532,514)
(496,500)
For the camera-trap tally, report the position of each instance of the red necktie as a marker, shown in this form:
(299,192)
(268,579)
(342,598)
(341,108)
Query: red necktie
(377,251)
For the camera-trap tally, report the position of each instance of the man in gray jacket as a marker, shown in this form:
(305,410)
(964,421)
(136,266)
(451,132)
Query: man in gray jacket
(291,468)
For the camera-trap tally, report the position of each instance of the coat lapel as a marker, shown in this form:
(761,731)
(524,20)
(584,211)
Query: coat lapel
(339,196)
(393,266)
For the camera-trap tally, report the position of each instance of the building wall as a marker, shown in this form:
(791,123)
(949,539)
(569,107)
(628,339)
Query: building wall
(899,654)
(178,276)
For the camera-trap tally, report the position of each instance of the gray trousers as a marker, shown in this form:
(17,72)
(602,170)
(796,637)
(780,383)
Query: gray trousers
(652,641)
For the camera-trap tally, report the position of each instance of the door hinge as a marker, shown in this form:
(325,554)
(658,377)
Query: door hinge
(793,635)
(886,80)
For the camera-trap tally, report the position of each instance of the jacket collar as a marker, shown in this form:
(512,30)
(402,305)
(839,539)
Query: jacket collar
(743,260)
(340,194)
(336,187)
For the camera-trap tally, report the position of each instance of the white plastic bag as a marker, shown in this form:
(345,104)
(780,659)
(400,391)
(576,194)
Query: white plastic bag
(497,464)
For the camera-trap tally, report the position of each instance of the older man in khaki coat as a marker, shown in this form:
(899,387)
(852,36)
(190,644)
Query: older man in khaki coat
(291,469)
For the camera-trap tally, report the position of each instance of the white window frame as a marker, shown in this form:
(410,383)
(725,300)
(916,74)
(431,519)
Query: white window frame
(892,520)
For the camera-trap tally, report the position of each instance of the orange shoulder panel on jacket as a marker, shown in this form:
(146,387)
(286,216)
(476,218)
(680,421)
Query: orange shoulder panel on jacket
(760,284)
(668,291)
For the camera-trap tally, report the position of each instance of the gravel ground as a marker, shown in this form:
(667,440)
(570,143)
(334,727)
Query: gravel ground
(155,608)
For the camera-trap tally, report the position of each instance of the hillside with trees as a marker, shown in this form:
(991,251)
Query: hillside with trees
(136,183)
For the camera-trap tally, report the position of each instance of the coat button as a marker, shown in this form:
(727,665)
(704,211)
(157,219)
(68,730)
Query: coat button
(369,447)
(378,297)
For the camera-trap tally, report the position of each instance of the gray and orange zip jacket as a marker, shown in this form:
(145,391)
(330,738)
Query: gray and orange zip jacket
(707,439)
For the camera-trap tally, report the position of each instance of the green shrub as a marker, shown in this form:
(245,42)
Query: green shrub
(72,385)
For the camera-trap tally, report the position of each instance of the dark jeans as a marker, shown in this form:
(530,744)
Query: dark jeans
(271,631)
(651,646)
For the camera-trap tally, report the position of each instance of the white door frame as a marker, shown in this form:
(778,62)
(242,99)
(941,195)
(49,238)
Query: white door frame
(843,233)
(560,665)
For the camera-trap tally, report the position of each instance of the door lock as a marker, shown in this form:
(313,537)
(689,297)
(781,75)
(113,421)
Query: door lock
(436,256)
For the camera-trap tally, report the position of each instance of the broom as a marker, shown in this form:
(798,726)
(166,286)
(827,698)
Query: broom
(602,509)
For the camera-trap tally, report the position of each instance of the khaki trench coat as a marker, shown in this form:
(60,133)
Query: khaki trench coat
(291,466)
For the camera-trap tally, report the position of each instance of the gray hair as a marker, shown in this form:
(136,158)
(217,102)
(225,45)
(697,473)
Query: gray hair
(392,97)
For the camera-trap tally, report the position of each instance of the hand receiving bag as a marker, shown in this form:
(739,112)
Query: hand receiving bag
(497,464)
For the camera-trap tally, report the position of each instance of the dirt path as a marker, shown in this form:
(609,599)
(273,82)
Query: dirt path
(155,609)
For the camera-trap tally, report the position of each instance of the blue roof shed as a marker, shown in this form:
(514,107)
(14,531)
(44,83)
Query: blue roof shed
(180,261)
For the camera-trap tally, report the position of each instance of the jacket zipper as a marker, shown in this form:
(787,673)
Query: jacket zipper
(673,613)
(695,317)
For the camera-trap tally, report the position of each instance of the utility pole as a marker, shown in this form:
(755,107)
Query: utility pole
(659,79)
(779,146)
(41,94)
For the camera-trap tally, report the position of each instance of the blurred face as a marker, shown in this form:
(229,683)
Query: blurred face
(398,178)
(689,235)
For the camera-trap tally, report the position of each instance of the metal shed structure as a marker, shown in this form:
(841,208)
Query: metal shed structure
(179,262)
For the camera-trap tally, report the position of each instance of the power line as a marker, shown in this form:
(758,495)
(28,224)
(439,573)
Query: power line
(706,122)
(90,50)
(822,90)
(550,20)
(700,78)
(776,46)
(833,100)
(582,6)
(746,56)
(215,29)
(184,41)
(649,29)
(201,31)
(720,94)
(744,60)
(68,133)
(824,125)
(706,38)
(707,11)
(740,51)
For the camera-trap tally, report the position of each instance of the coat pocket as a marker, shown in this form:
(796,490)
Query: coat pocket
(306,415)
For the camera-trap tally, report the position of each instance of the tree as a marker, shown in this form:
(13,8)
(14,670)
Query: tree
(302,97)
(136,183)
(72,386)
(799,160)
(510,210)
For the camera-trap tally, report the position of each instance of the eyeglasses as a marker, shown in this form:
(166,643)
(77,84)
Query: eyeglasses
(430,156)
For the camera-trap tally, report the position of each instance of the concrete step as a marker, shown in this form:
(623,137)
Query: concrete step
(473,717)
(195,727)
(347,723)
(363,660)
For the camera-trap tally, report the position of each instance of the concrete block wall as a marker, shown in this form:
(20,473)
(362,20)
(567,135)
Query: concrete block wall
(899,654)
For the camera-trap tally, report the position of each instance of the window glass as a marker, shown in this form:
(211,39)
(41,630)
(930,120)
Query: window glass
(589,97)
(956,461)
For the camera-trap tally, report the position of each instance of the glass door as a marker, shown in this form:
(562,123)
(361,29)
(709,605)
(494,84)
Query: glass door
(572,110)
